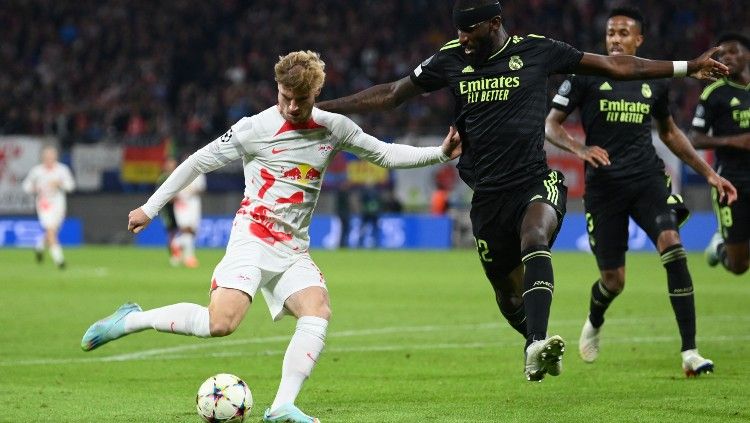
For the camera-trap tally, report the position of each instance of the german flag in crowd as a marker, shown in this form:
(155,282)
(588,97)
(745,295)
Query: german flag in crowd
(143,164)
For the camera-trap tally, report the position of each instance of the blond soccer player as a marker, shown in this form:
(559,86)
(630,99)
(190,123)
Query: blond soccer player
(285,151)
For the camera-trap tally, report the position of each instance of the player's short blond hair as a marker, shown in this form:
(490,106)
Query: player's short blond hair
(301,71)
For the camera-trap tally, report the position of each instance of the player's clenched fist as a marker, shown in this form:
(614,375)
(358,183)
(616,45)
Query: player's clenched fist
(137,220)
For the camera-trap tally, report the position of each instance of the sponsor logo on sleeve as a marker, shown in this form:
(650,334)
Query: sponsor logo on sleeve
(227,136)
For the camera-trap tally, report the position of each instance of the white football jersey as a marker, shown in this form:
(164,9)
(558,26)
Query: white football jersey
(284,164)
(50,186)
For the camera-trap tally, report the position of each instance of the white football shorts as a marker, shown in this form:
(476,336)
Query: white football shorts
(51,217)
(249,263)
(187,214)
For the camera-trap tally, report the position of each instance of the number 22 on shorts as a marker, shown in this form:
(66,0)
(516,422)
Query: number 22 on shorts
(484,251)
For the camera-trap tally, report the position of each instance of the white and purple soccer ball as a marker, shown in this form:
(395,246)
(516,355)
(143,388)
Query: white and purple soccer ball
(224,398)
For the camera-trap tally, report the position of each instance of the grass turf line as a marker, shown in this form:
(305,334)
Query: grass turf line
(414,336)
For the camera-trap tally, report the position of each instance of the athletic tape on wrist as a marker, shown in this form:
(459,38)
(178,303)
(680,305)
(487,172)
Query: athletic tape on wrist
(680,68)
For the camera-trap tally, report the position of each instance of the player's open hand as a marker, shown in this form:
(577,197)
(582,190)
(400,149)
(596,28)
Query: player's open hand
(704,67)
(727,192)
(594,155)
(452,143)
(137,220)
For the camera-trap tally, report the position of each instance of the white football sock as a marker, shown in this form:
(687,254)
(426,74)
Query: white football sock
(176,245)
(56,252)
(188,245)
(39,244)
(182,318)
(301,356)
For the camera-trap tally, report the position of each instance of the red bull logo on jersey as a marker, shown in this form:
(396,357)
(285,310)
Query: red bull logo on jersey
(325,149)
(303,173)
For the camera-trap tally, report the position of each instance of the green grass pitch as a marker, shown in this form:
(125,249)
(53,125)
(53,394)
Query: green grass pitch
(415,336)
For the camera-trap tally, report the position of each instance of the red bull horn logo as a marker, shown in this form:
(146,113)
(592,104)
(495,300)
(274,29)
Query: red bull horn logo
(303,173)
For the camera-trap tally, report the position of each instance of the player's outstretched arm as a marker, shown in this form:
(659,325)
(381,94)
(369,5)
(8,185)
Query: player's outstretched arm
(399,156)
(380,97)
(679,144)
(558,136)
(633,67)
(211,157)
(701,141)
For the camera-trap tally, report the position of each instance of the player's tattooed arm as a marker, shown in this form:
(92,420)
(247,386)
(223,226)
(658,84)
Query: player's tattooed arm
(380,97)
(632,67)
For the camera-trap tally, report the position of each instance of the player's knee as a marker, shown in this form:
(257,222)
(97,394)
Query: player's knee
(668,238)
(323,311)
(221,327)
(613,280)
(531,236)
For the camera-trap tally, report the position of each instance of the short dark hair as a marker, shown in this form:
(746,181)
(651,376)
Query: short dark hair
(632,12)
(734,36)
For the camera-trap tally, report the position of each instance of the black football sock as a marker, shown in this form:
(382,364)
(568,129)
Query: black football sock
(538,284)
(681,296)
(601,298)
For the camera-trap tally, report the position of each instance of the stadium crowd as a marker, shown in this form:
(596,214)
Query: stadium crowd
(135,71)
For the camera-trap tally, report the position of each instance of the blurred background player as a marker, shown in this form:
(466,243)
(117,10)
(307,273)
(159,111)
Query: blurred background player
(268,246)
(371,206)
(50,181)
(167,213)
(724,111)
(187,214)
(625,177)
(343,207)
(499,84)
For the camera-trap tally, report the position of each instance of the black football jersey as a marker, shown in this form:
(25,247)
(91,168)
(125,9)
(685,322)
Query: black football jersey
(616,116)
(724,109)
(500,106)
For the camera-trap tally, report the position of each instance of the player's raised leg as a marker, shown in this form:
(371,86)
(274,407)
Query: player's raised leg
(603,292)
(311,306)
(538,228)
(221,318)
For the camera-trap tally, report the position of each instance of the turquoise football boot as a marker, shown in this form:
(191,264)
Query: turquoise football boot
(288,413)
(109,328)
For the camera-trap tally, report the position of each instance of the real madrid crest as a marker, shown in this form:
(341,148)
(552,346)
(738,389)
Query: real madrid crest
(646,90)
(515,63)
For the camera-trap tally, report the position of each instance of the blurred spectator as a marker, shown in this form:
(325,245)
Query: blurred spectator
(343,211)
(91,70)
(370,208)
(167,212)
(445,180)
(390,202)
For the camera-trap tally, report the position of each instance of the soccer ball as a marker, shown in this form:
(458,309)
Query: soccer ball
(224,398)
